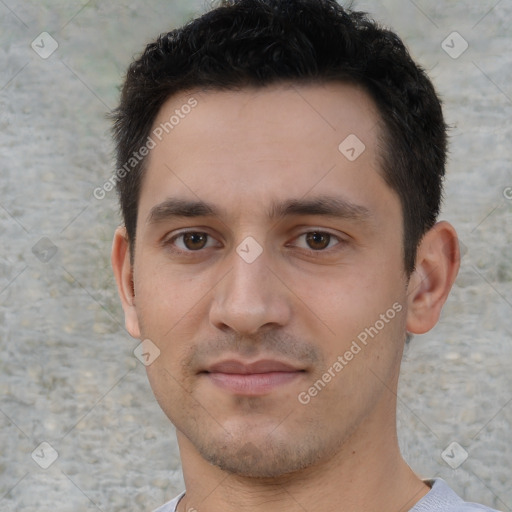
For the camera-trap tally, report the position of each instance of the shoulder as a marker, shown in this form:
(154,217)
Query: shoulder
(441,498)
(170,506)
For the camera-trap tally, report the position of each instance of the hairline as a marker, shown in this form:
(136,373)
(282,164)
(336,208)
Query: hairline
(383,140)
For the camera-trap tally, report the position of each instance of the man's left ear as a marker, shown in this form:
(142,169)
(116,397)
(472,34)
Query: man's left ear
(437,265)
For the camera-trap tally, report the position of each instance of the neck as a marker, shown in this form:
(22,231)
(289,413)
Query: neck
(366,474)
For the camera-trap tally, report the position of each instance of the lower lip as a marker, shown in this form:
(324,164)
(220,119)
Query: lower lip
(252,384)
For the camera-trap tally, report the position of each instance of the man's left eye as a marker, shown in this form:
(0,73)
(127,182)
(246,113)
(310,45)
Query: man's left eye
(317,240)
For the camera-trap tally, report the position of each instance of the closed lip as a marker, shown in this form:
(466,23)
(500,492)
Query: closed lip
(257,378)
(233,366)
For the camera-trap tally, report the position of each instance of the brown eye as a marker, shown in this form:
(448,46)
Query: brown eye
(195,241)
(317,240)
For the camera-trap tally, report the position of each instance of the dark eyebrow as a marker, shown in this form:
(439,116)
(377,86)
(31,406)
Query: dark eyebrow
(330,206)
(180,208)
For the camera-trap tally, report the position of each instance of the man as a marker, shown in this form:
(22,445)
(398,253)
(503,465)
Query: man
(280,168)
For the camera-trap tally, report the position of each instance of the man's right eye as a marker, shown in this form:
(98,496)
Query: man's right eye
(190,241)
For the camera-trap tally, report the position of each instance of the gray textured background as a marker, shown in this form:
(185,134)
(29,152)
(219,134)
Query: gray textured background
(68,375)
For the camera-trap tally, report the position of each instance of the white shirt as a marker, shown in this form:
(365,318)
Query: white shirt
(440,498)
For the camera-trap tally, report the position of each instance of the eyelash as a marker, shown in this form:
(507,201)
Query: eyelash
(170,242)
(332,236)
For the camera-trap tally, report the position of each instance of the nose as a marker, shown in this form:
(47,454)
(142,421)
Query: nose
(250,298)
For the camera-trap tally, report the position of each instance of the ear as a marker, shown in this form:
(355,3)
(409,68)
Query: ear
(437,265)
(123,273)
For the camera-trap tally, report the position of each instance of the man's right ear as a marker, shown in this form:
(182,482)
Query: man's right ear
(123,273)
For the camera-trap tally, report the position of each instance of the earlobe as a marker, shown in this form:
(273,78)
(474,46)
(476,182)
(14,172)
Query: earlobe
(123,273)
(437,265)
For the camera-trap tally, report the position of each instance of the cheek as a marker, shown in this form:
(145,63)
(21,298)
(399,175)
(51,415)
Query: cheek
(356,306)
(169,388)
(171,309)
(166,299)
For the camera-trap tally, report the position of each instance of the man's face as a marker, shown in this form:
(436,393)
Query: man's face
(265,254)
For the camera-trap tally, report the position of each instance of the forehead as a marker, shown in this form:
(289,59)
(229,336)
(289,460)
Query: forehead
(255,145)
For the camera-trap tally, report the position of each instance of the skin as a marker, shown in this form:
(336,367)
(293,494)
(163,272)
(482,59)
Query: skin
(303,300)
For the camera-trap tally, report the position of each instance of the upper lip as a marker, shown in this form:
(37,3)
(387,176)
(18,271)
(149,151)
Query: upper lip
(261,366)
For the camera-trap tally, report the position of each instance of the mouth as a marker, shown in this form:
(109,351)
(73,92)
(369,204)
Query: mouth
(252,379)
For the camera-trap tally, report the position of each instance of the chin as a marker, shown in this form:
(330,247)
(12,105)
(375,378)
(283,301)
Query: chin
(262,459)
